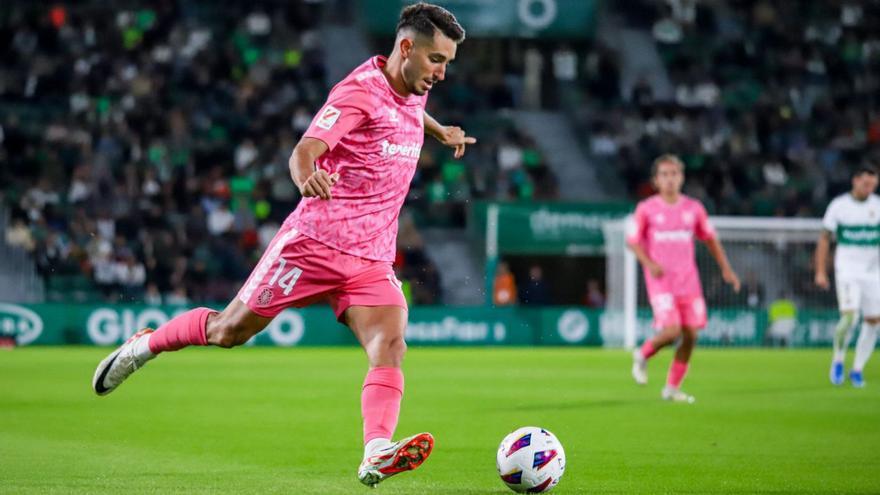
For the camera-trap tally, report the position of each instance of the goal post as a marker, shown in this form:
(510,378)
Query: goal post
(778,303)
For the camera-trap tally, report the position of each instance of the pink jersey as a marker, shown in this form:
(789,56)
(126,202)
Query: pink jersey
(374,137)
(667,233)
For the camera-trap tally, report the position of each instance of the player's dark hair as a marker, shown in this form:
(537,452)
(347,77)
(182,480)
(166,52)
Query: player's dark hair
(664,158)
(865,169)
(424,19)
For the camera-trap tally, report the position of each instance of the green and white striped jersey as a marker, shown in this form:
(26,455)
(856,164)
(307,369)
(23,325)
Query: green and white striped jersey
(856,227)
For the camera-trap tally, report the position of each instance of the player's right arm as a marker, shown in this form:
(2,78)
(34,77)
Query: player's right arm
(821,260)
(823,247)
(646,261)
(634,240)
(311,181)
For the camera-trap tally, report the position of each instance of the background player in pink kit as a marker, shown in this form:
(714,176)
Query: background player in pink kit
(662,238)
(353,166)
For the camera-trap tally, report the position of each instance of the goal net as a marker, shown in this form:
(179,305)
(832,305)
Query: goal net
(778,303)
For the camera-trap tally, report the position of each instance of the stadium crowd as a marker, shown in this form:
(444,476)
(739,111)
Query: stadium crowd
(774,102)
(145,150)
(145,154)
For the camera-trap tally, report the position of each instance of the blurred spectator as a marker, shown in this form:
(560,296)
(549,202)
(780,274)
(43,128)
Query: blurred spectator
(38,197)
(535,291)
(753,291)
(593,297)
(19,235)
(782,315)
(414,269)
(152,295)
(504,288)
(220,220)
(130,275)
(177,297)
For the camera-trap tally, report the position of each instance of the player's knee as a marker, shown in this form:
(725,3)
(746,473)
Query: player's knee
(385,349)
(397,347)
(390,345)
(847,320)
(673,332)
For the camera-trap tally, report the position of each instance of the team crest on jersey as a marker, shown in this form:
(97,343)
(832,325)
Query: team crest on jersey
(392,115)
(265,297)
(688,218)
(659,218)
(328,117)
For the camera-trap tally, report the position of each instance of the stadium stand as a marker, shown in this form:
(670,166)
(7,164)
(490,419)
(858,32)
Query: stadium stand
(773,102)
(147,153)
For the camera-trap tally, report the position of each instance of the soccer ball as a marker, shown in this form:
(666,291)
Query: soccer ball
(530,459)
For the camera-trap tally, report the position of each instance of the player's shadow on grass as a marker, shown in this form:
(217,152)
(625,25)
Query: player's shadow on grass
(499,490)
(776,390)
(743,491)
(573,404)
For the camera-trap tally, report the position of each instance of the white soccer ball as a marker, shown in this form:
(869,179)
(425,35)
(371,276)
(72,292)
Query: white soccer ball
(530,459)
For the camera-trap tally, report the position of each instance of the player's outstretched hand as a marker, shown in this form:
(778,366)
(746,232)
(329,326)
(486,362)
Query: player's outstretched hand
(822,281)
(732,278)
(319,184)
(455,137)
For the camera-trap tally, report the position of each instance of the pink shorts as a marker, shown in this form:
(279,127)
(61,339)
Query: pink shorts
(678,311)
(298,271)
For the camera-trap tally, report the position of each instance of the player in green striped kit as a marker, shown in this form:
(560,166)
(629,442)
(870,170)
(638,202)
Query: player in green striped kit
(853,220)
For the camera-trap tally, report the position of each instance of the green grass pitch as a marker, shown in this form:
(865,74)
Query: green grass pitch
(270,420)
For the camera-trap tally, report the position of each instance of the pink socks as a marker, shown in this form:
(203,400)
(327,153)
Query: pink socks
(182,331)
(677,370)
(380,402)
(648,349)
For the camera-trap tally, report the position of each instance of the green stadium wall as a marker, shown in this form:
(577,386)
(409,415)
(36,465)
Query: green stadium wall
(57,324)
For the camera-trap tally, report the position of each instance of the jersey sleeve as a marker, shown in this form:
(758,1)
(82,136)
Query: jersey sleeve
(347,107)
(829,221)
(636,226)
(704,230)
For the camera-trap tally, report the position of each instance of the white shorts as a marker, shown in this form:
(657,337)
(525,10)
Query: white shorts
(859,294)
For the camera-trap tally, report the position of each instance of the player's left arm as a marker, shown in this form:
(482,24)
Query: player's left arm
(727,273)
(449,135)
(706,232)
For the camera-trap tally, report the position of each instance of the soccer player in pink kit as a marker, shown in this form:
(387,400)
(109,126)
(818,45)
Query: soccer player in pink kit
(353,166)
(662,238)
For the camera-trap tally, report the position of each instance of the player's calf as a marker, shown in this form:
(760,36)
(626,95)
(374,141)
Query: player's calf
(234,326)
(228,335)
